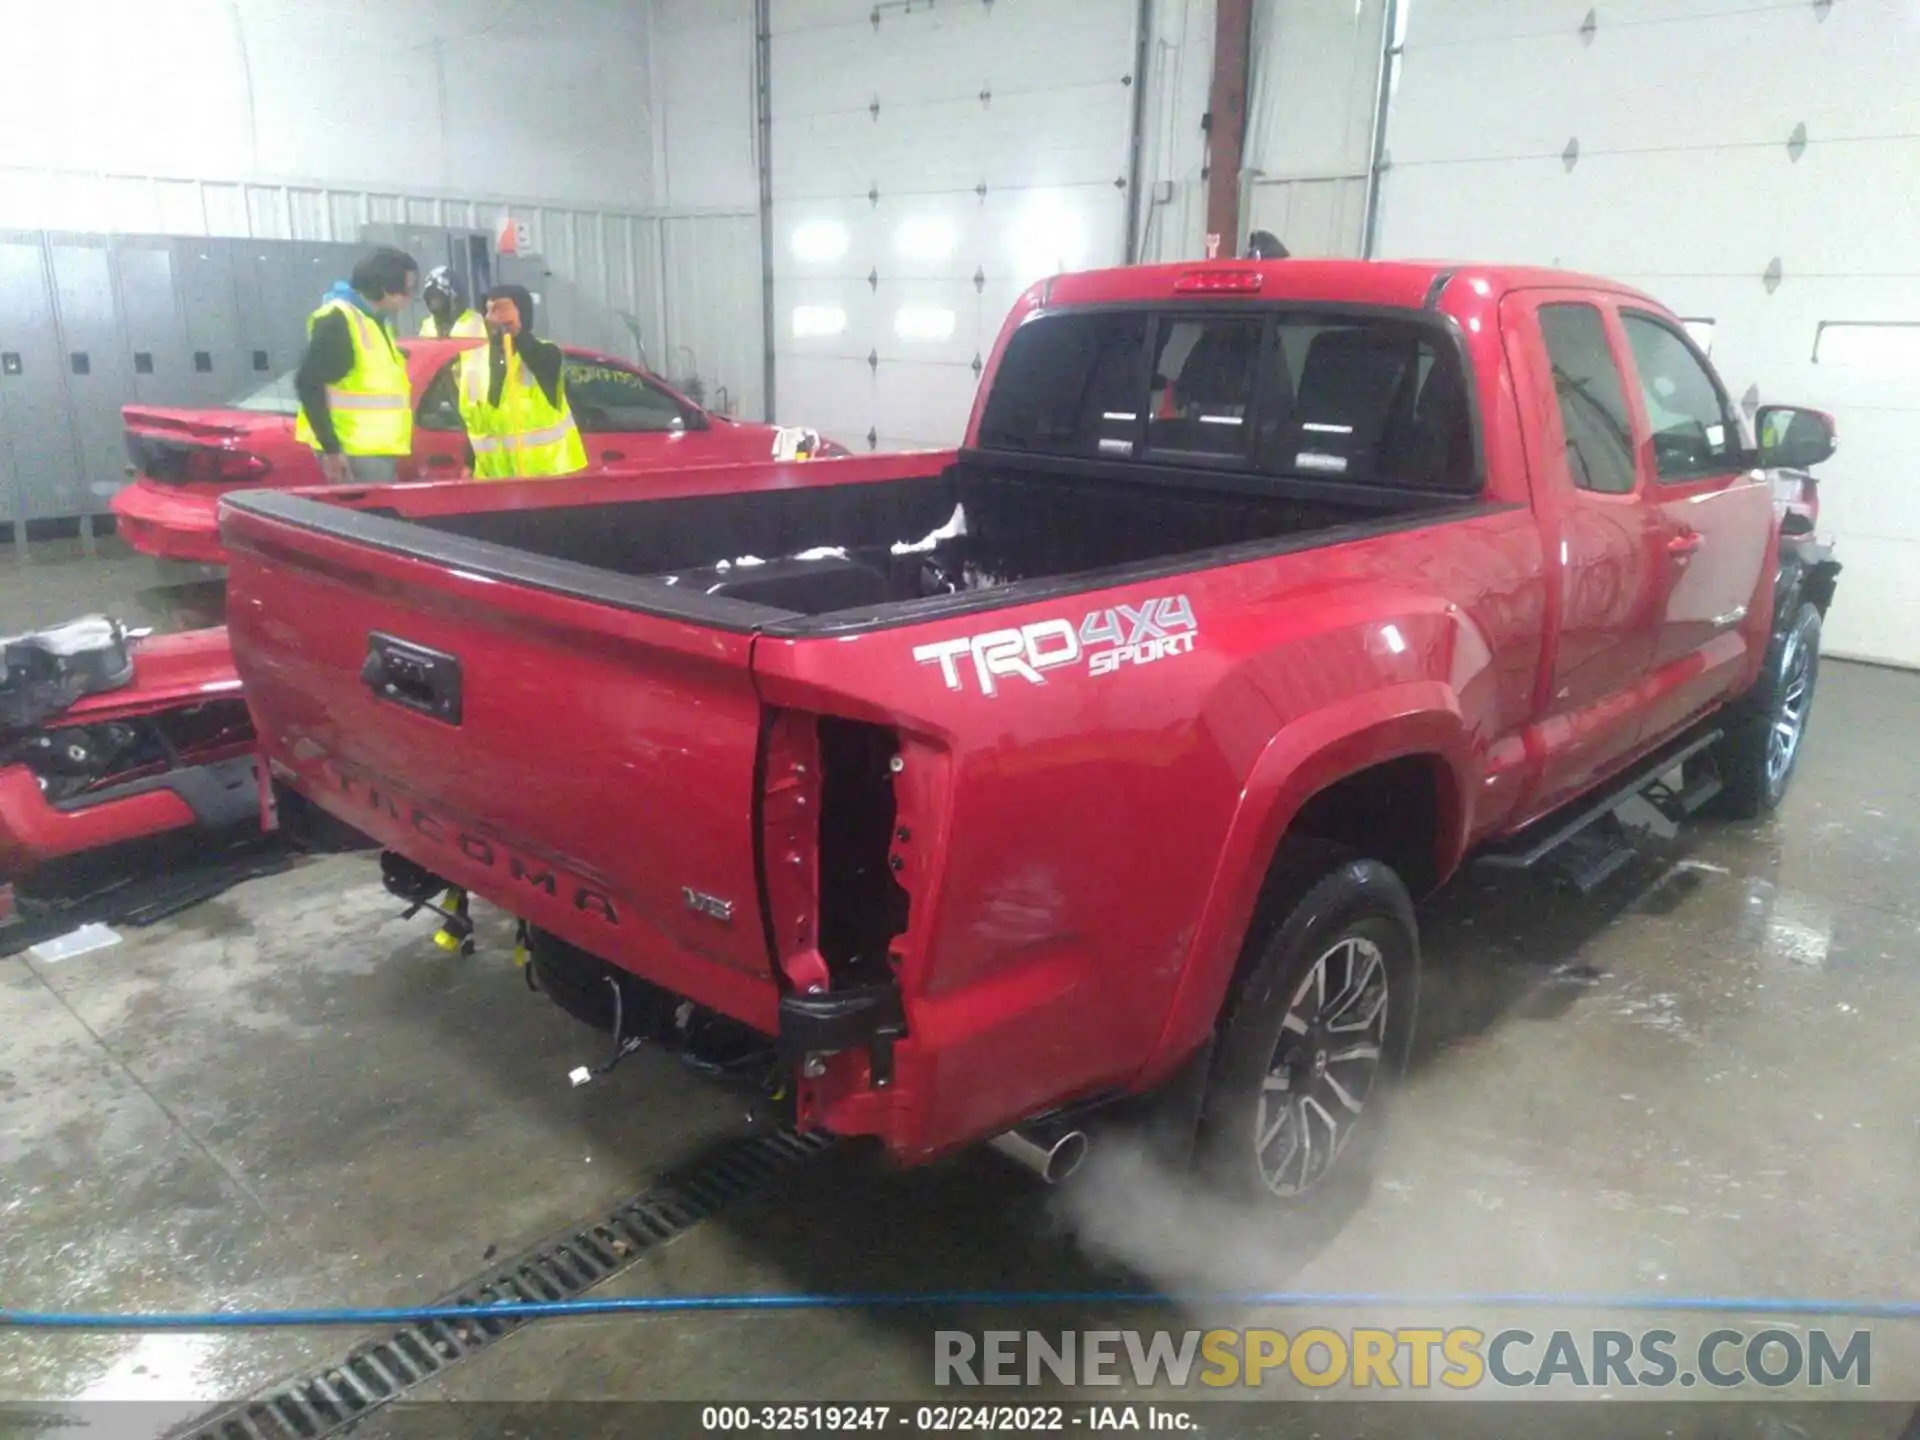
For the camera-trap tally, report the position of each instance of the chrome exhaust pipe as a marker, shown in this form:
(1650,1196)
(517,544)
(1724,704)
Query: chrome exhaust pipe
(1053,1155)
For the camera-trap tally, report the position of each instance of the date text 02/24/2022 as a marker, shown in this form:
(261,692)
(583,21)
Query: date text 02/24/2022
(940,1419)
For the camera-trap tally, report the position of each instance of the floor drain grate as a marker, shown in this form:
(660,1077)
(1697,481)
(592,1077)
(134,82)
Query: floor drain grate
(393,1362)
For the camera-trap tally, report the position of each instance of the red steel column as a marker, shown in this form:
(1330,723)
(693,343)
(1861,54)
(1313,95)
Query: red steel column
(1227,124)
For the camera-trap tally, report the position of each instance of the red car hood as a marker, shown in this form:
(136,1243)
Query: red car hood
(167,670)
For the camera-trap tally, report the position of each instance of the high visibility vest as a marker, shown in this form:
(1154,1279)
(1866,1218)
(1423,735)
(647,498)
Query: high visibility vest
(524,435)
(466,326)
(372,404)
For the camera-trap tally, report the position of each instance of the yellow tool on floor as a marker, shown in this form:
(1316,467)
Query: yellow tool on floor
(455,935)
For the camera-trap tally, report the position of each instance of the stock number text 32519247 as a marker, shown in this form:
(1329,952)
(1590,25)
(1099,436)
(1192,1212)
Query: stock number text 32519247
(916,1419)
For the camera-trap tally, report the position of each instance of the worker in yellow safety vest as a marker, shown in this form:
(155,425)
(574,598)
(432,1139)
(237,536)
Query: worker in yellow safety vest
(513,397)
(356,400)
(448,314)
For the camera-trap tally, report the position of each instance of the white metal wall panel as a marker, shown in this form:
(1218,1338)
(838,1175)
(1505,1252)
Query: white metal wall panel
(704,106)
(1311,111)
(710,326)
(929,162)
(1173,153)
(545,99)
(1324,217)
(1713,141)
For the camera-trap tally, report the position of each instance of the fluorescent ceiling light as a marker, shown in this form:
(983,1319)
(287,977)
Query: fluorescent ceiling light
(1845,342)
(923,323)
(819,241)
(814,320)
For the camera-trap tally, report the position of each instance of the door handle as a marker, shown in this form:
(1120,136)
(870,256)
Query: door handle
(413,677)
(1685,543)
(613,455)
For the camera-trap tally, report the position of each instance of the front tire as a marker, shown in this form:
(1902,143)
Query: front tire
(1757,755)
(1316,1041)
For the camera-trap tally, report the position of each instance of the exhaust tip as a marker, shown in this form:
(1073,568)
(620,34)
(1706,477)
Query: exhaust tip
(1053,1156)
(1065,1157)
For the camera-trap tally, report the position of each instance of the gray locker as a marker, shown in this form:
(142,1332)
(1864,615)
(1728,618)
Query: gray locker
(90,323)
(203,275)
(283,284)
(264,353)
(41,466)
(99,365)
(150,308)
(262,277)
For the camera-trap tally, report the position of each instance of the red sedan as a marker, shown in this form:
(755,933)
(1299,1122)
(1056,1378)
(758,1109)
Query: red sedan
(184,460)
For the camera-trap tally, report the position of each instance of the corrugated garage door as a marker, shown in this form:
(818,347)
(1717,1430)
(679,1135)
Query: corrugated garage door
(1752,165)
(929,161)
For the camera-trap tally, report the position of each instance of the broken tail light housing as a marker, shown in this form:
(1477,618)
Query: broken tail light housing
(205,466)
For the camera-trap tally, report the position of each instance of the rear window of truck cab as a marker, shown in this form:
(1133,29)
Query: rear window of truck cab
(1368,398)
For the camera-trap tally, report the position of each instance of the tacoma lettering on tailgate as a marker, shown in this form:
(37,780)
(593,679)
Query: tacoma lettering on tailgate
(478,849)
(1106,641)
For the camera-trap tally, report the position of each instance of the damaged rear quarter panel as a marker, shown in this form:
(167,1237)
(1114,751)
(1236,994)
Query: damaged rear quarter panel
(1096,823)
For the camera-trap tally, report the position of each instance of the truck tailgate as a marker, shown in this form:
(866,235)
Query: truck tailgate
(586,767)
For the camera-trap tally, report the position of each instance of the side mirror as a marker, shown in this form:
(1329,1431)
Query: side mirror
(1792,438)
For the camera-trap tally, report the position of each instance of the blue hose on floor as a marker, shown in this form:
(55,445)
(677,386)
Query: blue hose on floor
(947,1300)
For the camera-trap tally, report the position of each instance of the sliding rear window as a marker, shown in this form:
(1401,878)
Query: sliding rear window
(1367,398)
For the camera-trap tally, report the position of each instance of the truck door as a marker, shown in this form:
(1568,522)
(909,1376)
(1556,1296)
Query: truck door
(1714,515)
(1599,532)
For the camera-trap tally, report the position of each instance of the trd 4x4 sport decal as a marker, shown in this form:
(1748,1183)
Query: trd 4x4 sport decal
(1106,641)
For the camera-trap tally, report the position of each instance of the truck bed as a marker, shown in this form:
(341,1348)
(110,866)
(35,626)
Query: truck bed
(826,557)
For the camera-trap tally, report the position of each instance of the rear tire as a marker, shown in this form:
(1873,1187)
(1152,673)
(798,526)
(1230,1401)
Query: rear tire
(1757,755)
(1316,1039)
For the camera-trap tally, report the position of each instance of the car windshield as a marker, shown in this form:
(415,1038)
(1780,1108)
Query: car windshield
(276,397)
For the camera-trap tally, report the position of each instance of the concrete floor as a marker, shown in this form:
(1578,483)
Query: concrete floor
(1702,1080)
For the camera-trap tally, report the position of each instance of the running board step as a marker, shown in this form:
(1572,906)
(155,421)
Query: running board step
(1688,802)
(1591,858)
(1529,847)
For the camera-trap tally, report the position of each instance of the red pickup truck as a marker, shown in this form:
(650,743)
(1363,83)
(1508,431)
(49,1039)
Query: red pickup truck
(1106,756)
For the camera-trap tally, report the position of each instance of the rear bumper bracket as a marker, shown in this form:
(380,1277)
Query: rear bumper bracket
(866,1016)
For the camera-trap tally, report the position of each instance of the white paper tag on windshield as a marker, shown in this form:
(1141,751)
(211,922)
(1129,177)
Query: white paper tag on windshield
(1716,436)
